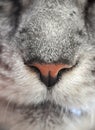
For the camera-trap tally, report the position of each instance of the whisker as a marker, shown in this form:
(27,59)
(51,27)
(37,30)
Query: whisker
(5,111)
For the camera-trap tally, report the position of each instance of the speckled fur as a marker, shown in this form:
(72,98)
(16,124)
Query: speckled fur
(47,31)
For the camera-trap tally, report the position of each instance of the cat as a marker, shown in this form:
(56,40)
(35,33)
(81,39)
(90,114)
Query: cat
(47,64)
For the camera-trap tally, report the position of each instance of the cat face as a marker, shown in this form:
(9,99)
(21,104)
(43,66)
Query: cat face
(48,33)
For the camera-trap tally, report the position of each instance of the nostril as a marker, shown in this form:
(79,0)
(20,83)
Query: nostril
(62,71)
(35,69)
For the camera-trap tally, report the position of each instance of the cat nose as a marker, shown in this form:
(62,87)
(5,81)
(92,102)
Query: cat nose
(49,73)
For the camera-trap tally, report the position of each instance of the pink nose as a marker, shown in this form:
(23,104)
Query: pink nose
(49,72)
(52,69)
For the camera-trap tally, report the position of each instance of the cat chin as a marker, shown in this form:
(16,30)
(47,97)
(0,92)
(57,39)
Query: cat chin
(48,108)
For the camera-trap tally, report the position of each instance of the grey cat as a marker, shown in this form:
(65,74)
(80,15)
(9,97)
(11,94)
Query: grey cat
(47,64)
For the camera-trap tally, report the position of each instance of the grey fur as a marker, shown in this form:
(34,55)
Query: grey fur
(51,32)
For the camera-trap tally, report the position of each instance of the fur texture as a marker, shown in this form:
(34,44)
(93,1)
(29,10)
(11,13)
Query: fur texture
(50,32)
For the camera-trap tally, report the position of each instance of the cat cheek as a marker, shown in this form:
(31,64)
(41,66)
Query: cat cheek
(5,7)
